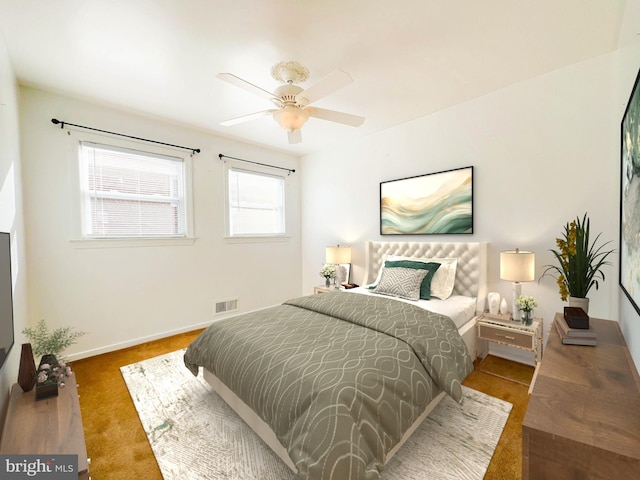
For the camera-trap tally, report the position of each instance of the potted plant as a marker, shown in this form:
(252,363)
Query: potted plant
(580,263)
(49,345)
(526,304)
(328,272)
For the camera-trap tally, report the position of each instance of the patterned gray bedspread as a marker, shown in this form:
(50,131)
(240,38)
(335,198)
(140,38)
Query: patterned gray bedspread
(339,377)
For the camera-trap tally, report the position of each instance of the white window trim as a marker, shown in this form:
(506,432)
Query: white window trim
(78,240)
(248,238)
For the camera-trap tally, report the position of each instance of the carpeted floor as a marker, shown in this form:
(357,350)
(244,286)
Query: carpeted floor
(119,449)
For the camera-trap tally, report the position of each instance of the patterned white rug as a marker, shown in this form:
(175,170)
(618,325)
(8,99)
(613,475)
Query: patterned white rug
(195,435)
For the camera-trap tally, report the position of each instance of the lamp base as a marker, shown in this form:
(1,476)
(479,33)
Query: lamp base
(517,289)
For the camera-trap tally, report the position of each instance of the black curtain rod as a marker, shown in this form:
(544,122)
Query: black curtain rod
(290,170)
(55,121)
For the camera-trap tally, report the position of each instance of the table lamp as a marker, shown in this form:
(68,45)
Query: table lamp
(517,266)
(336,256)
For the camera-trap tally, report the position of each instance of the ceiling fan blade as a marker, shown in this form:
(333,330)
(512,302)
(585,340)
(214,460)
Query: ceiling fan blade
(246,118)
(250,87)
(333,116)
(295,136)
(327,85)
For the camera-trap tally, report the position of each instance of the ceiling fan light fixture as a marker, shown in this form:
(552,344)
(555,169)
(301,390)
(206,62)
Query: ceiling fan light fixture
(291,118)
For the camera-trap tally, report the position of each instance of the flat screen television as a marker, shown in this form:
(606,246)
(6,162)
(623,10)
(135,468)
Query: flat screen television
(6,298)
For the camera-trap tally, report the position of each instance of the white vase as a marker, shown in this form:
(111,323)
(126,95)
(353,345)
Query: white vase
(494,302)
(580,302)
(504,308)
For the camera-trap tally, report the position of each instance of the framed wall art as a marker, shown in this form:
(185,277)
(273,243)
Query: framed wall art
(630,199)
(435,203)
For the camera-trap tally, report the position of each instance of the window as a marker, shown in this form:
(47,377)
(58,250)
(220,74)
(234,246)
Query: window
(255,203)
(128,193)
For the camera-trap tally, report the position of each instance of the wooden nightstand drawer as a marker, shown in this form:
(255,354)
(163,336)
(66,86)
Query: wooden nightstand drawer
(508,336)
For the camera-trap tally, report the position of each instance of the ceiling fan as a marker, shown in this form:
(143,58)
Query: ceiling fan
(292,101)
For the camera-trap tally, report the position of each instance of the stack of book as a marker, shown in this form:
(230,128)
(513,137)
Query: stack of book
(575,336)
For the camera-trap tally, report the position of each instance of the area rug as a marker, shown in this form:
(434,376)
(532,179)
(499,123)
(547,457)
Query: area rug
(195,435)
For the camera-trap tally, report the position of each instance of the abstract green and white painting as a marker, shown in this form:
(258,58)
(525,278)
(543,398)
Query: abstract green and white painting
(436,203)
(630,199)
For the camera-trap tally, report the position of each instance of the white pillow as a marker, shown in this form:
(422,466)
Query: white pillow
(443,280)
(377,280)
(401,282)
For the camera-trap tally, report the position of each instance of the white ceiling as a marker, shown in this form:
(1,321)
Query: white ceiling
(408,58)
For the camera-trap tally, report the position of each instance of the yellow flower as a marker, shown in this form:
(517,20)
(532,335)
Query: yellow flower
(571,239)
(564,291)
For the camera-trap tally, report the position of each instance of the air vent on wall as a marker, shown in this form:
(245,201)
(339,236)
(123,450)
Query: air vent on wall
(225,306)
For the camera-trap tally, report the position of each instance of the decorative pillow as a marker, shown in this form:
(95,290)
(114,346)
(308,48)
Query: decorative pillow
(401,282)
(431,267)
(443,280)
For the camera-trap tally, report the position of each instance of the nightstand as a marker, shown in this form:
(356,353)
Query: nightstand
(515,334)
(323,289)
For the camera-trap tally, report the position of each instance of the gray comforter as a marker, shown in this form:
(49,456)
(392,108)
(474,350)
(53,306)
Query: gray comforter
(339,377)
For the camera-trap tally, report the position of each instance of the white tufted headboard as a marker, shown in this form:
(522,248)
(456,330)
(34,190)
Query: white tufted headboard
(471,272)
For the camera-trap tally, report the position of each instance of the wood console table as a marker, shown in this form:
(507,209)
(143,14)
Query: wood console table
(583,418)
(47,426)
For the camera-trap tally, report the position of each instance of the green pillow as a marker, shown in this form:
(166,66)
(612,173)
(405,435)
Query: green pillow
(430,267)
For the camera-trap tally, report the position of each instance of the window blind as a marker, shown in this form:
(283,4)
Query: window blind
(129,193)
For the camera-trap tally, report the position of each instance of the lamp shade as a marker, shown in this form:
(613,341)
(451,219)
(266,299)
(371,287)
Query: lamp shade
(517,266)
(337,255)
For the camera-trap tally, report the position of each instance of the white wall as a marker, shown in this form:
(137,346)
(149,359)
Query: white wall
(123,296)
(11,216)
(544,152)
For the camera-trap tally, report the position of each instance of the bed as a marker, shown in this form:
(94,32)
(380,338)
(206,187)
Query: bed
(335,383)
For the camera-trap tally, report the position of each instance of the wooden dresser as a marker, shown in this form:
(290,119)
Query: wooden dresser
(48,426)
(583,418)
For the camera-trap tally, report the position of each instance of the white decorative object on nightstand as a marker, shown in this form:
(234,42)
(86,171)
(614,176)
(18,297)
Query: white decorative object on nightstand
(514,334)
(504,309)
(494,302)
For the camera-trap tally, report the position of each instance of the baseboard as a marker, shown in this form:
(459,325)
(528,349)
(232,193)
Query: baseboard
(150,338)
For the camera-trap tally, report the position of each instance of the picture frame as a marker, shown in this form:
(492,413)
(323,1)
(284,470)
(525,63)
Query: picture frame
(431,204)
(343,272)
(629,273)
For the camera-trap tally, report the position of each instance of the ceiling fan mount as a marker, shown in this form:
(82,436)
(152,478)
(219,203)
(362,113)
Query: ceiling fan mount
(290,72)
(292,101)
